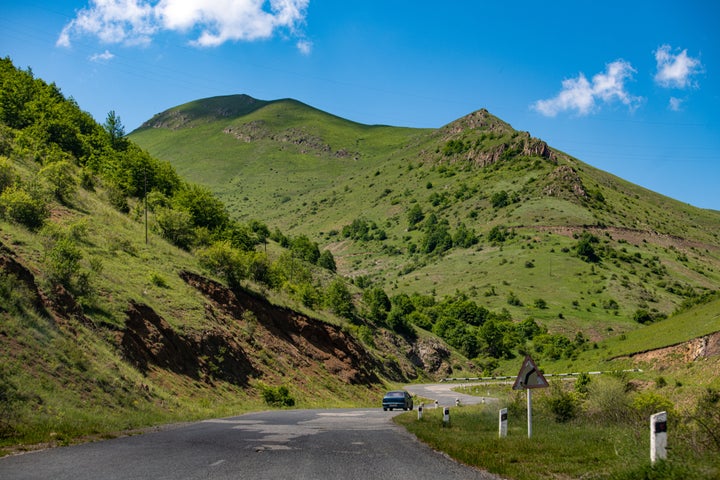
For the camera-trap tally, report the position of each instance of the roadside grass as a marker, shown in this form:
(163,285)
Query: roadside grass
(573,450)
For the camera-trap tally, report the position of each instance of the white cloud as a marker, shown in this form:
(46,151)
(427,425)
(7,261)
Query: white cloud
(675,70)
(675,104)
(135,22)
(582,96)
(304,46)
(102,57)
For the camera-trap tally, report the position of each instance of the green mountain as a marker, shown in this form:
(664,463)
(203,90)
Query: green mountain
(474,208)
(267,253)
(129,297)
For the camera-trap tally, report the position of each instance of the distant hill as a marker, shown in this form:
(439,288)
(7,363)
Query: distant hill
(474,207)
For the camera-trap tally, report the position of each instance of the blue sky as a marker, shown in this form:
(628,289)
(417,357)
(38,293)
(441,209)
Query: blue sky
(630,87)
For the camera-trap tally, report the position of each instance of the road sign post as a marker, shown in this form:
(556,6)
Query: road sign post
(529,378)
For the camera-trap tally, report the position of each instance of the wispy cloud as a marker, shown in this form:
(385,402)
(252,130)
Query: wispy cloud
(583,96)
(305,47)
(135,22)
(676,70)
(675,104)
(102,57)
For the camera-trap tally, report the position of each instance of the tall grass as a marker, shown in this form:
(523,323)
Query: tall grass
(593,446)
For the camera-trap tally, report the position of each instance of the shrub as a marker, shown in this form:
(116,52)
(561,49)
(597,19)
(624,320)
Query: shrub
(563,405)
(649,402)
(707,417)
(63,262)
(277,396)
(158,280)
(607,400)
(19,206)
(60,179)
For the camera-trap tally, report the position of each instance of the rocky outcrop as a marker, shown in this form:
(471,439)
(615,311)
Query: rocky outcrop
(148,340)
(302,341)
(690,351)
(565,182)
(306,142)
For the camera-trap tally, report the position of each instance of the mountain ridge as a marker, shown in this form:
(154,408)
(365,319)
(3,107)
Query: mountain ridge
(474,175)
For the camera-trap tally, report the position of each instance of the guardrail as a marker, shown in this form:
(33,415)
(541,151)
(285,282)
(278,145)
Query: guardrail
(546,375)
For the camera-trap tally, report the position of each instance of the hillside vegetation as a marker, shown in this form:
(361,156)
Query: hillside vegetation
(236,253)
(474,216)
(130,297)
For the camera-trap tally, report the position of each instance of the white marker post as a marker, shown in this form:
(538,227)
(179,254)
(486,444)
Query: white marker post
(420,412)
(446,416)
(658,437)
(529,411)
(503,420)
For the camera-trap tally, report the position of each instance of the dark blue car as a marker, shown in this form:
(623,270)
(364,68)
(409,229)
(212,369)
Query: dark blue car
(397,399)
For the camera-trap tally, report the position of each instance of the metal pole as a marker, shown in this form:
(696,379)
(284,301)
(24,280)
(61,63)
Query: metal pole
(145,201)
(529,411)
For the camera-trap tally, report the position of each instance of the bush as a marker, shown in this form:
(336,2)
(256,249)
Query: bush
(563,405)
(607,400)
(707,417)
(19,206)
(277,396)
(648,403)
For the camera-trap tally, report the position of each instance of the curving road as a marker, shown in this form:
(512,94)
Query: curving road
(346,444)
(443,394)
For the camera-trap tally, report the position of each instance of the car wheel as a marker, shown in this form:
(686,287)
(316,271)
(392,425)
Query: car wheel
(384,409)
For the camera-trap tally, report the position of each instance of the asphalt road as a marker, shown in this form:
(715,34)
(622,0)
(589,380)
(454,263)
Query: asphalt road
(345,444)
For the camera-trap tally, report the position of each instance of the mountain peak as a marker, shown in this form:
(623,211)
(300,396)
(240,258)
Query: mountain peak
(205,110)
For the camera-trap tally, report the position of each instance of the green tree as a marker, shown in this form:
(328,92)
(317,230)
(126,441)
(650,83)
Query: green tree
(415,216)
(222,259)
(327,261)
(176,227)
(338,299)
(304,248)
(378,303)
(500,199)
(115,130)
(204,208)
(585,248)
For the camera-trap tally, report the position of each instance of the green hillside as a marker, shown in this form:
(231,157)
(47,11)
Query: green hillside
(129,297)
(475,208)
(236,254)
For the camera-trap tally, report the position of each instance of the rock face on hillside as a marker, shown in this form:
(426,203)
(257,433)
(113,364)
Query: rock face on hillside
(477,133)
(564,182)
(300,340)
(690,351)
(305,141)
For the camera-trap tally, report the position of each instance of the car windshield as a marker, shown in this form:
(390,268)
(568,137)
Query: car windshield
(395,394)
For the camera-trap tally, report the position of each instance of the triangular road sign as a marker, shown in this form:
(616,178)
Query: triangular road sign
(529,376)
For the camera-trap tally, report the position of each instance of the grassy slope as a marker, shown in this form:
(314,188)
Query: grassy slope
(64,379)
(301,189)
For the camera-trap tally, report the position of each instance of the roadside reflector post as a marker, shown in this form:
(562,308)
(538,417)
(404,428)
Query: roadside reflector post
(658,437)
(420,412)
(529,411)
(503,420)
(446,416)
